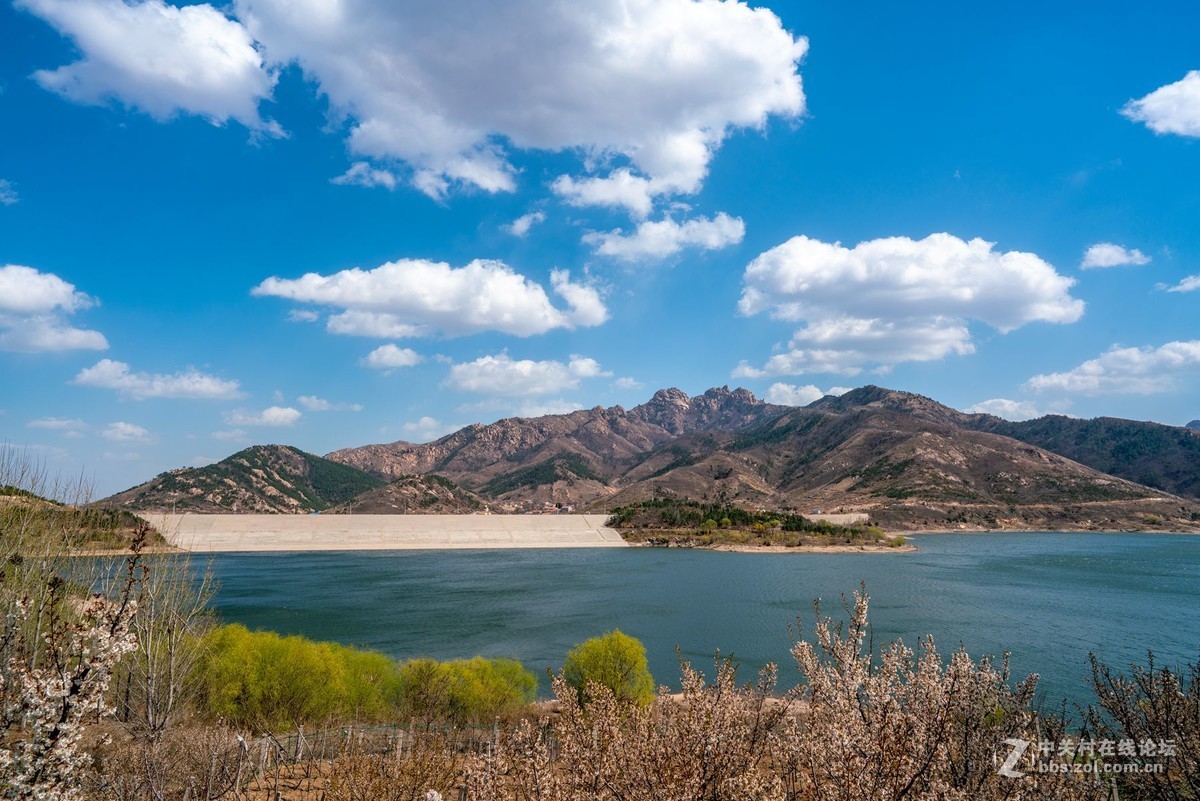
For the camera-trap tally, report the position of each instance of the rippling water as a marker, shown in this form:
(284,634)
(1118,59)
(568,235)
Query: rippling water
(1047,598)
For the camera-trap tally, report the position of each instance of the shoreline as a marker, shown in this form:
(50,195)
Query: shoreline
(800,549)
(924,532)
(231,533)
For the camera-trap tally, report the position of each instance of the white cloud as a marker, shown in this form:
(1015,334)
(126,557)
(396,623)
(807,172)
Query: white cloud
(278,416)
(620,189)
(125,432)
(792,395)
(520,226)
(625,382)
(233,435)
(363,174)
(379,325)
(1170,109)
(389,357)
(446,88)
(312,403)
(1007,409)
(501,375)
(159,58)
(24,290)
(33,308)
(427,429)
(303,316)
(661,238)
(1189,284)
(1141,371)
(8,193)
(1106,254)
(895,300)
(57,424)
(414,297)
(846,345)
(114,375)
(38,334)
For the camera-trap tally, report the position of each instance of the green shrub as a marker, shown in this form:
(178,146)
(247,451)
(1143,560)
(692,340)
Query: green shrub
(614,660)
(264,679)
(465,690)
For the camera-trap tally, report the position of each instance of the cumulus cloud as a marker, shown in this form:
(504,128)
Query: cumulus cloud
(446,89)
(621,189)
(159,58)
(389,357)
(8,193)
(792,395)
(1170,109)
(661,238)
(894,300)
(501,375)
(1106,254)
(190,383)
(33,310)
(1142,371)
(277,416)
(125,432)
(303,316)
(312,403)
(626,382)
(520,226)
(1013,410)
(1189,284)
(413,297)
(845,345)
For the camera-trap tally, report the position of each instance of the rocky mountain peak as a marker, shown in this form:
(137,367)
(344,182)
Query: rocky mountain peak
(1195,424)
(671,396)
(718,407)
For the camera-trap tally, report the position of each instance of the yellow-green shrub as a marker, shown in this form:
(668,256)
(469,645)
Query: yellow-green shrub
(614,660)
(464,690)
(265,679)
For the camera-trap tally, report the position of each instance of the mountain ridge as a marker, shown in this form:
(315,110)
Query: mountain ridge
(907,460)
(258,479)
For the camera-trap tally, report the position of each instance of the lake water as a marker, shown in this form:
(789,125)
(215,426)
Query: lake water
(1047,598)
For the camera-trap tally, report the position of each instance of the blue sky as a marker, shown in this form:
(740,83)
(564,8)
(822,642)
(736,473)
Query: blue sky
(329,224)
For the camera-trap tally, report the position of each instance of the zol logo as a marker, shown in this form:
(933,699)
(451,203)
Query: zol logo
(1009,767)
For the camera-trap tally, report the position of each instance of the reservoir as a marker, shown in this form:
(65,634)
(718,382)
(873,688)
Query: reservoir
(1048,598)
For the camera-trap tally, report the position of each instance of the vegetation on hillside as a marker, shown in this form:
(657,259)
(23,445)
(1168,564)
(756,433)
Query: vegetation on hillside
(333,483)
(414,494)
(563,467)
(1159,456)
(261,478)
(34,522)
(673,521)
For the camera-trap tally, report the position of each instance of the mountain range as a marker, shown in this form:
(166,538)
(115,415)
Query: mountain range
(907,460)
